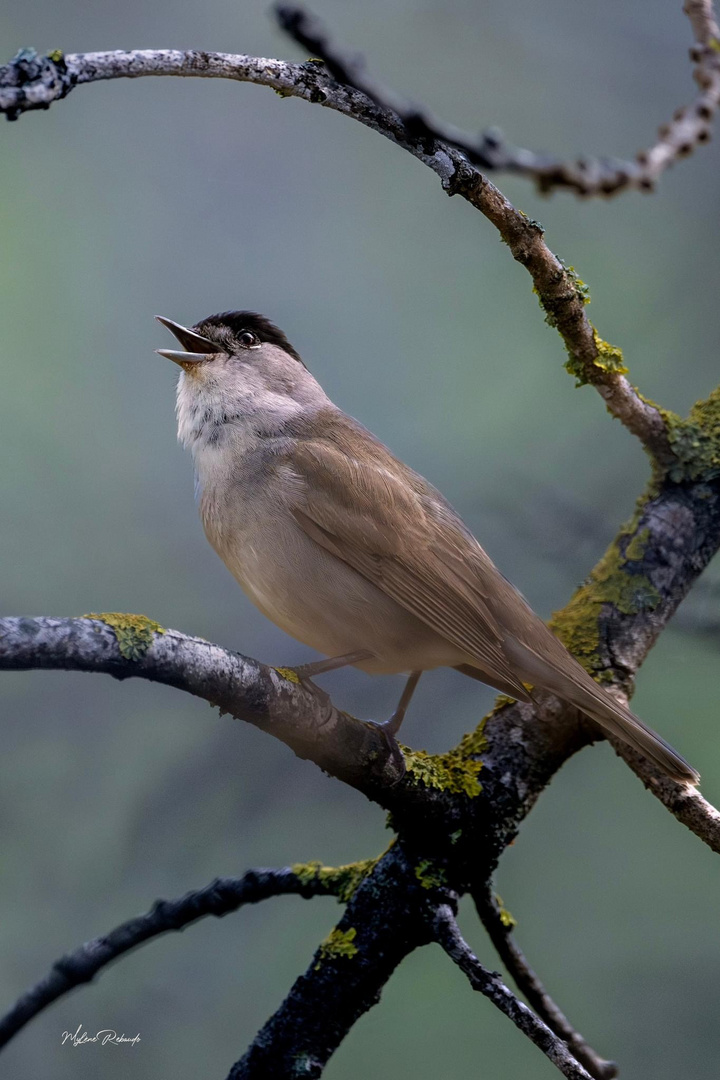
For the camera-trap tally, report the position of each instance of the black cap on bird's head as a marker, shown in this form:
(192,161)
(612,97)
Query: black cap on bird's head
(229,331)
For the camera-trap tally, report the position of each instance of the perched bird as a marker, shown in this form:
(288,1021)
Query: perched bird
(345,547)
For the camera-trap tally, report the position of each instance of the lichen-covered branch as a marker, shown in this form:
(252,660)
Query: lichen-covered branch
(33,82)
(387,917)
(222,896)
(454,813)
(499,927)
(689,127)
(492,987)
(129,646)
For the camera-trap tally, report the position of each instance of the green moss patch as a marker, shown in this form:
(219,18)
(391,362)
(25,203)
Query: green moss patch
(506,918)
(430,876)
(338,944)
(134,633)
(609,358)
(611,581)
(695,441)
(456,771)
(340,881)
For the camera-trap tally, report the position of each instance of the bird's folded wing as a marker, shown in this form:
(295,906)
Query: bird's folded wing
(393,531)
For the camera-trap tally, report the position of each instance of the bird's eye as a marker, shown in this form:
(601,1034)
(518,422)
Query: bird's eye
(247,339)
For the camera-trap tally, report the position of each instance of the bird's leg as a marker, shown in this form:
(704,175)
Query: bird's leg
(392,726)
(306,672)
(389,728)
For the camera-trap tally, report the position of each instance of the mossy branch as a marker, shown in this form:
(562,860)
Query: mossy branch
(219,898)
(455,812)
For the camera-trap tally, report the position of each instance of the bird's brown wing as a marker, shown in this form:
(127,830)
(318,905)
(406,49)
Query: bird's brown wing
(382,519)
(368,509)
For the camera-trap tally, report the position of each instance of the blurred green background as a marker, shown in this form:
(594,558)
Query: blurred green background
(189,197)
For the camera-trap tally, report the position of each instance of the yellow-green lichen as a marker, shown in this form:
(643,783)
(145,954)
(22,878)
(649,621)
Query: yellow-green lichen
(582,290)
(134,633)
(611,581)
(608,359)
(455,771)
(56,55)
(695,441)
(506,918)
(339,943)
(340,881)
(288,674)
(636,548)
(429,875)
(551,305)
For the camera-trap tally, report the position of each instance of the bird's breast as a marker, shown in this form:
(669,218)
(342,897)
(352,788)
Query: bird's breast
(308,592)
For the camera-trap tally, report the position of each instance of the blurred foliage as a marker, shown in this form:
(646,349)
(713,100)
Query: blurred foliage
(182,198)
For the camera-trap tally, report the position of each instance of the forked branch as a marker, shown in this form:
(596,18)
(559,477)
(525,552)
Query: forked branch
(32,82)
(611,622)
(689,127)
(492,987)
(222,896)
(499,929)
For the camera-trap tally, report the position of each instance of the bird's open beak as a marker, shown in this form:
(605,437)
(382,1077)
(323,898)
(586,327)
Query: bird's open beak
(197,348)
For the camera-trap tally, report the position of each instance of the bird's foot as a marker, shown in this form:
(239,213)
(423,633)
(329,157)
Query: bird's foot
(300,677)
(387,730)
(304,673)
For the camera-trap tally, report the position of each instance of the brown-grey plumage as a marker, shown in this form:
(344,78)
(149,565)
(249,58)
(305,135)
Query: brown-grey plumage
(344,546)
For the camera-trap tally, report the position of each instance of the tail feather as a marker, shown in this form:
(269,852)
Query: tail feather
(562,675)
(617,720)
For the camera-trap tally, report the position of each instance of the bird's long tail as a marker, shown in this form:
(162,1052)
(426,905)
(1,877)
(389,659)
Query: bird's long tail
(615,719)
(573,684)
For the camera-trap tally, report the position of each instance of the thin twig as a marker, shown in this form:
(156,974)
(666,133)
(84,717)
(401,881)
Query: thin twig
(684,802)
(492,987)
(702,18)
(527,982)
(689,127)
(220,897)
(33,82)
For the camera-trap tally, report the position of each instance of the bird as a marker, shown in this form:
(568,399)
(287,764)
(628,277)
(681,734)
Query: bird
(349,550)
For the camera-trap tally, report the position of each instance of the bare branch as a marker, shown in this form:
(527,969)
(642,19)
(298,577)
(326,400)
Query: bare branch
(594,176)
(387,917)
(527,982)
(300,715)
(702,18)
(220,897)
(492,987)
(683,802)
(32,82)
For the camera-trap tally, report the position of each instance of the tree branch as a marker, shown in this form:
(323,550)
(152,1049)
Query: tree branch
(32,82)
(492,987)
(220,897)
(684,803)
(500,933)
(689,127)
(611,623)
(387,918)
(127,646)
